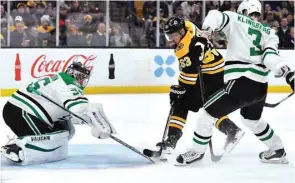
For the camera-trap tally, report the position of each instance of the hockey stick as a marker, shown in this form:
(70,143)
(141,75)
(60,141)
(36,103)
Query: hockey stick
(214,158)
(278,103)
(112,137)
(156,154)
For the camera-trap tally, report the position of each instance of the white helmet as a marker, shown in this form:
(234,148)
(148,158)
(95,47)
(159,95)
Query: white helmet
(243,6)
(254,6)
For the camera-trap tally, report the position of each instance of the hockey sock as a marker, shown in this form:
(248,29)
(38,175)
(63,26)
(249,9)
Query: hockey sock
(203,132)
(264,133)
(225,125)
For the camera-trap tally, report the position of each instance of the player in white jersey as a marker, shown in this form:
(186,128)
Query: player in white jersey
(42,128)
(252,52)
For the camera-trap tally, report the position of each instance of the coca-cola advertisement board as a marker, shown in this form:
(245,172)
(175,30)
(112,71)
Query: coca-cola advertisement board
(110,67)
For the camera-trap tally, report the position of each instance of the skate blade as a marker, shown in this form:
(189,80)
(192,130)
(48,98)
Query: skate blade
(283,160)
(231,146)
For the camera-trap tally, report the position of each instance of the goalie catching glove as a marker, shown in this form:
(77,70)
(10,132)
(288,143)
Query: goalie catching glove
(97,120)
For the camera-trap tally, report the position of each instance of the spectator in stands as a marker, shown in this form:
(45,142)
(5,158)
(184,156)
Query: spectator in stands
(149,10)
(290,39)
(196,15)
(74,37)
(291,6)
(267,9)
(179,13)
(188,7)
(75,7)
(226,5)
(99,38)
(50,10)
(45,27)
(19,37)
(119,38)
(35,37)
(290,19)
(270,20)
(3,13)
(40,10)
(89,26)
(27,17)
(62,24)
(283,33)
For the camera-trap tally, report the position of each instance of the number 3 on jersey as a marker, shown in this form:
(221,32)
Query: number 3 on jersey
(254,51)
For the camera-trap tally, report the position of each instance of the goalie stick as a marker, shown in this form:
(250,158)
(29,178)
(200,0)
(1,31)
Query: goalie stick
(112,137)
(278,103)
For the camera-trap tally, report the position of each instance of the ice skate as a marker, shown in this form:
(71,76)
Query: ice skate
(170,143)
(232,140)
(189,157)
(274,156)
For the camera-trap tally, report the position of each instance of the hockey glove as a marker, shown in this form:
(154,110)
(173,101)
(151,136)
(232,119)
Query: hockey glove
(285,71)
(290,79)
(206,32)
(176,93)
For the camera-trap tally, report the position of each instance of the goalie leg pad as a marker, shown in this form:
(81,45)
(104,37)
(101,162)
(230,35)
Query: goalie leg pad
(38,149)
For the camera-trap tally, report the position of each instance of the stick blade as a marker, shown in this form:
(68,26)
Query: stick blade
(150,153)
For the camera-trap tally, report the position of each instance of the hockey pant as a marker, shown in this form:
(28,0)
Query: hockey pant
(192,101)
(244,94)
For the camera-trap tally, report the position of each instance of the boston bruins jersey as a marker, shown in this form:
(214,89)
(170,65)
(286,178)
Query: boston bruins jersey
(188,56)
(62,88)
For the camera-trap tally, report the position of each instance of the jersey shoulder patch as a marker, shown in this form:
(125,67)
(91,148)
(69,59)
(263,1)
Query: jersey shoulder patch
(69,80)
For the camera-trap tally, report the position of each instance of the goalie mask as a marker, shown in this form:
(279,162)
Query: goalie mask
(80,72)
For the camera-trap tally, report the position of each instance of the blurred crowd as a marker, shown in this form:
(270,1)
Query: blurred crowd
(83,23)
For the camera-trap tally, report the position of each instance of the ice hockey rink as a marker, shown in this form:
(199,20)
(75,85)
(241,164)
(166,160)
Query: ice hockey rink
(140,120)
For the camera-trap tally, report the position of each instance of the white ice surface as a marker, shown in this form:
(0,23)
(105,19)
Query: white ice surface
(140,120)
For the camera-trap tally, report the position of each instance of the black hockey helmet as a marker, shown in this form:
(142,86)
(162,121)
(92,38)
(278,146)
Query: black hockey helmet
(80,72)
(173,25)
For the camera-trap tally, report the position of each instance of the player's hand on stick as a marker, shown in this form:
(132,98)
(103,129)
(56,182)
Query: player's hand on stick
(285,71)
(206,32)
(290,79)
(176,93)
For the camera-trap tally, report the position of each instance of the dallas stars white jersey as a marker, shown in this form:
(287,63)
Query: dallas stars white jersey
(61,88)
(249,43)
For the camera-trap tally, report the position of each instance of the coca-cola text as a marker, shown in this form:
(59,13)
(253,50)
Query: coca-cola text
(43,66)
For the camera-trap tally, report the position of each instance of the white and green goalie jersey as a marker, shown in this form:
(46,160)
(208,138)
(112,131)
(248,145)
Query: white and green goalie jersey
(61,88)
(249,43)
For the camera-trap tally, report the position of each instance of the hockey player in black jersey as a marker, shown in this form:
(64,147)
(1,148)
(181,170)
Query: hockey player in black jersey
(184,34)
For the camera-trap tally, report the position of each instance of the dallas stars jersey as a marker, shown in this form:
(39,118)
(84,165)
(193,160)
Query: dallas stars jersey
(249,43)
(62,88)
(188,57)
